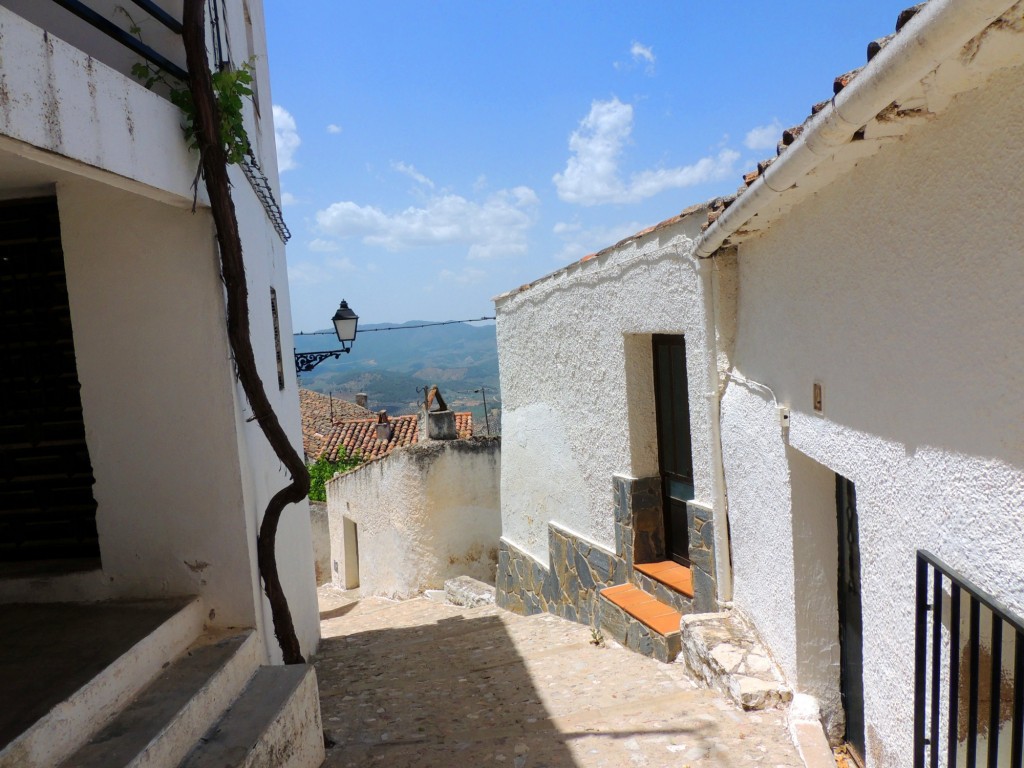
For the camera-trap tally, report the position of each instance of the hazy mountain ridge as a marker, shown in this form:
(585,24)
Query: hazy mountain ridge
(389,366)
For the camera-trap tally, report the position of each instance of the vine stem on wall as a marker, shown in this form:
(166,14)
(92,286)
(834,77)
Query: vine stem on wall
(215,171)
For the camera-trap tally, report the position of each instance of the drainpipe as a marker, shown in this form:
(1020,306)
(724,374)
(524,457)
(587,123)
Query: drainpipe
(935,34)
(719,499)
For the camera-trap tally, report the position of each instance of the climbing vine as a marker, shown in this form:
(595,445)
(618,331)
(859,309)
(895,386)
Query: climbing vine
(231,88)
(207,134)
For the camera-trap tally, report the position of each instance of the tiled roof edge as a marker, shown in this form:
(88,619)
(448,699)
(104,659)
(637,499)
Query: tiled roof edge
(826,120)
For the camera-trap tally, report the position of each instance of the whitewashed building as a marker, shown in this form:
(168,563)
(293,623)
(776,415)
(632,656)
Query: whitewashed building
(132,480)
(861,391)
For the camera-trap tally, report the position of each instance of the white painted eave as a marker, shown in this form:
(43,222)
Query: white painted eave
(917,73)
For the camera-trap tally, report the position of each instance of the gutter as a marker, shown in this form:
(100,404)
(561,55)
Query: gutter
(935,34)
(720,496)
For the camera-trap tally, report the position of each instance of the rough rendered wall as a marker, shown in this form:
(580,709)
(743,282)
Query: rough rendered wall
(899,288)
(577,385)
(424,514)
(183,473)
(147,311)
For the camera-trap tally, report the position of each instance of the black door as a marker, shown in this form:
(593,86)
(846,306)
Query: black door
(850,618)
(672,404)
(47,509)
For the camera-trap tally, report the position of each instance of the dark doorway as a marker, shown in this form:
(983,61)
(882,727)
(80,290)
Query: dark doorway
(675,458)
(47,510)
(850,617)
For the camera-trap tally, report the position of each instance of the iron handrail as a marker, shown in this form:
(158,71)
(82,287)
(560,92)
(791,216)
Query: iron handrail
(109,28)
(992,603)
(928,677)
(160,15)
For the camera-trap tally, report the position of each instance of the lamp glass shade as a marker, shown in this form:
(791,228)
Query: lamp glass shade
(345,322)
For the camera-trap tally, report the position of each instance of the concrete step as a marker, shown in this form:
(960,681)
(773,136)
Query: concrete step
(274,723)
(724,652)
(640,622)
(668,581)
(161,725)
(76,690)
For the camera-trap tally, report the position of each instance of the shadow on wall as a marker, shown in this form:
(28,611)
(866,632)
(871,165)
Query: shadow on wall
(458,692)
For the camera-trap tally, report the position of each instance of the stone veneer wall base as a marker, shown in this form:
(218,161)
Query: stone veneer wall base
(568,585)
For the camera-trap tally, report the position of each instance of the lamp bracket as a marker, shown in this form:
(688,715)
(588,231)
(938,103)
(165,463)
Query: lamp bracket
(307,361)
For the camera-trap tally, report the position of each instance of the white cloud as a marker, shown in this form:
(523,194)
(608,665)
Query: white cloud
(333,128)
(467,276)
(641,52)
(318,272)
(764,136)
(577,242)
(592,177)
(412,173)
(286,135)
(495,226)
(287,198)
(323,246)
(341,264)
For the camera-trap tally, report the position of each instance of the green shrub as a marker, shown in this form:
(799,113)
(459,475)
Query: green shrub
(323,470)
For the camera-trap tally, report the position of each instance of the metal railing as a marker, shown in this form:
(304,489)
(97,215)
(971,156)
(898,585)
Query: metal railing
(968,673)
(257,179)
(126,38)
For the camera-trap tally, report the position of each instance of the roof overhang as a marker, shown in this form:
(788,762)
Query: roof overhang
(949,47)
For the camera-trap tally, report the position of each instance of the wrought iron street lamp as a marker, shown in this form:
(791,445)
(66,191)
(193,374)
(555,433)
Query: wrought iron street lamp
(345,323)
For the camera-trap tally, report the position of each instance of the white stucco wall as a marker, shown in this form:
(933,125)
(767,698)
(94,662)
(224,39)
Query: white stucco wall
(577,383)
(423,514)
(183,473)
(899,288)
(61,107)
(147,313)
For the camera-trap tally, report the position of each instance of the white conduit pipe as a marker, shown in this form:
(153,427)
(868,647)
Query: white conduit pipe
(935,34)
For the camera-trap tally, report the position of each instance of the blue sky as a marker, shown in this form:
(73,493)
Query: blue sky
(436,154)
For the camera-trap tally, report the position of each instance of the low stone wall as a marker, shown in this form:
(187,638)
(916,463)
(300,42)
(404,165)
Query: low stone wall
(702,557)
(577,570)
(567,587)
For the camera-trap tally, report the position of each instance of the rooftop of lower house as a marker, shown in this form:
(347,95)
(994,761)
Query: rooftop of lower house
(358,437)
(320,413)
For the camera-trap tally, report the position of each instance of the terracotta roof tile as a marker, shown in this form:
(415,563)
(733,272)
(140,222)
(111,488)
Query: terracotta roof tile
(359,436)
(790,135)
(317,410)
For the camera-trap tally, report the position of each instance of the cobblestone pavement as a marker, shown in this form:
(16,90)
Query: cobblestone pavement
(418,683)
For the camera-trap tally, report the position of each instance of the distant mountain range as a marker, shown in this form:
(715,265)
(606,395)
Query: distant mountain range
(390,365)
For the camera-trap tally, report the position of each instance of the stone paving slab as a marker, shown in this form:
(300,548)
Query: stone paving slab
(418,683)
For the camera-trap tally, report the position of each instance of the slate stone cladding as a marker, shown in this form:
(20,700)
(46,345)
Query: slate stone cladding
(568,584)
(624,629)
(639,528)
(702,557)
(568,587)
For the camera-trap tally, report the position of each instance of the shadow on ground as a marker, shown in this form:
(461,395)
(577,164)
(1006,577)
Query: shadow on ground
(497,689)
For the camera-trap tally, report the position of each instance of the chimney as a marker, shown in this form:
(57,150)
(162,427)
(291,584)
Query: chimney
(439,424)
(383,427)
(361,400)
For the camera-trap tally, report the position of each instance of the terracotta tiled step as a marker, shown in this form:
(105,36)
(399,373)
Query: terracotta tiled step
(671,574)
(644,608)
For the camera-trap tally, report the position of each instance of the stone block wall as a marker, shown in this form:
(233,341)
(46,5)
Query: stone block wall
(577,570)
(639,528)
(702,557)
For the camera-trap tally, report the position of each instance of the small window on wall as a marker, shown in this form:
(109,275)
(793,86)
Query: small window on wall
(277,338)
